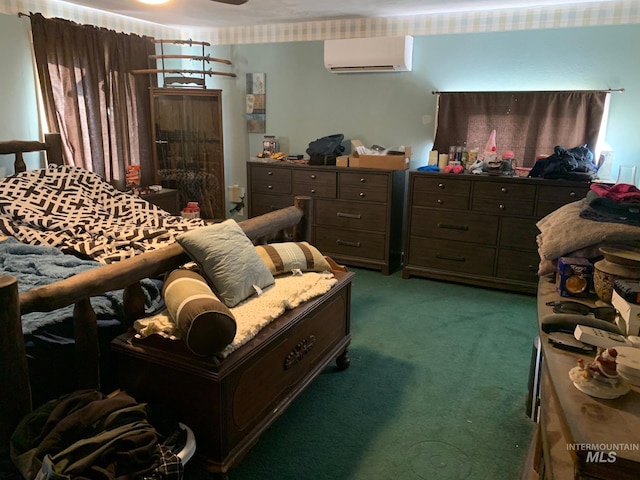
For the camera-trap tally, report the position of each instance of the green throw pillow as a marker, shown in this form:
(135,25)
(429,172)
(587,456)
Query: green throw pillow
(227,260)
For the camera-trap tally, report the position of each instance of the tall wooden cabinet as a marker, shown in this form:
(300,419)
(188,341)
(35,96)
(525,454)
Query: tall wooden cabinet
(358,212)
(189,154)
(480,230)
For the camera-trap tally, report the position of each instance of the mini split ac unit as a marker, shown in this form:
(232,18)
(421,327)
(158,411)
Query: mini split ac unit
(374,54)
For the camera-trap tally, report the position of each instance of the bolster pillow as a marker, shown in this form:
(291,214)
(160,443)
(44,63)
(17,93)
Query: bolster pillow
(287,256)
(205,323)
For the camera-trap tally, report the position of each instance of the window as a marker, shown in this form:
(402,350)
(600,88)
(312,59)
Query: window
(527,123)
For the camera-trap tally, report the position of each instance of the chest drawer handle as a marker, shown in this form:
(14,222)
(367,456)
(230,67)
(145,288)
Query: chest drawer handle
(504,190)
(270,187)
(440,202)
(501,207)
(347,243)
(313,190)
(362,180)
(357,216)
(361,194)
(441,185)
(572,194)
(454,227)
(269,173)
(313,177)
(455,258)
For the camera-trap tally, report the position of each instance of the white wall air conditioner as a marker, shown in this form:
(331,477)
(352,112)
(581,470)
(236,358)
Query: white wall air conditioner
(374,54)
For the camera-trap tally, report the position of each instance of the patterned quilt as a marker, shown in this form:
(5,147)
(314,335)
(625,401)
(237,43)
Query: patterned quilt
(77,211)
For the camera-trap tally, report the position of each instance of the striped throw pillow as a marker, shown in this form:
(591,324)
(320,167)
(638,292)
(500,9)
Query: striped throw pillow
(287,256)
(205,323)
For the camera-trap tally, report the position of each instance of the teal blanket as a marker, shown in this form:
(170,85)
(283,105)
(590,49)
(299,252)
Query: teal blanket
(37,265)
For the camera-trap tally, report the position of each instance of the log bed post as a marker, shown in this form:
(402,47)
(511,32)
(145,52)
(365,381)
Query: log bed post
(87,345)
(302,231)
(15,392)
(52,145)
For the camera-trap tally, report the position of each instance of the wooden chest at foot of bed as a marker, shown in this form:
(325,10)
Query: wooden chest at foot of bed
(229,403)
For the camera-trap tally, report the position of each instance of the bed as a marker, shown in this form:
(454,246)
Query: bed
(228,398)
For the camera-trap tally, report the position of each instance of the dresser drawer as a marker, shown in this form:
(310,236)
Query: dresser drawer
(519,233)
(455,226)
(455,257)
(518,265)
(504,190)
(350,242)
(437,200)
(351,215)
(503,198)
(314,183)
(448,184)
(273,180)
(551,198)
(372,187)
(446,193)
(314,177)
(264,203)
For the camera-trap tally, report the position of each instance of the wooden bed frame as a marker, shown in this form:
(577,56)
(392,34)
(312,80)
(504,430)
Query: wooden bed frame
(227,403)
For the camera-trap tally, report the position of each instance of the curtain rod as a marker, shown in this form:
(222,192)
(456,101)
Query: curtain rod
(609,90)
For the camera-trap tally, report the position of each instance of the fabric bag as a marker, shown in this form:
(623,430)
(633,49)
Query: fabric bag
(325,150)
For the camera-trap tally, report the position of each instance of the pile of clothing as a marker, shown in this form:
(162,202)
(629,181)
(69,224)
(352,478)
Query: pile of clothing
(87,435)
(618,203)
(569,164)
(608,214)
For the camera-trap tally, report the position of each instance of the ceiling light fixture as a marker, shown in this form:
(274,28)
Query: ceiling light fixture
(154,2)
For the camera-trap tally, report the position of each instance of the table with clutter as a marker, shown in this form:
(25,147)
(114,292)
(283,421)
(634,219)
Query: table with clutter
(582,432)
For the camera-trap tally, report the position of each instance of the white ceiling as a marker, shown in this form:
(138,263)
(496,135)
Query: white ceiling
(212,14)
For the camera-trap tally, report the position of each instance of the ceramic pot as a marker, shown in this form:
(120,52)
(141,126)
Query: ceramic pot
(606,272)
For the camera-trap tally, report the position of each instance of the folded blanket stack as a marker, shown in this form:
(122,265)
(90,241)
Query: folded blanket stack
(565,232)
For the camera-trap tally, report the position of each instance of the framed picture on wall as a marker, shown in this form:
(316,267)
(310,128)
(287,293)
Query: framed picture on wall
(255,103)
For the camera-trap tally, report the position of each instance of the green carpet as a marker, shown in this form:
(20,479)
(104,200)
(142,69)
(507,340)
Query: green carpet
(436,390)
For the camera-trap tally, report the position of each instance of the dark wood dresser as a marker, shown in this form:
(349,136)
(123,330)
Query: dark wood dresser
(358,212)
(480,229)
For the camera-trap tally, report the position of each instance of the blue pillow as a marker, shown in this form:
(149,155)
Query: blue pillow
(227,260)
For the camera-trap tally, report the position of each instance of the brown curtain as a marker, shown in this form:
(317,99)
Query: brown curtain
(92,99)
(528,123)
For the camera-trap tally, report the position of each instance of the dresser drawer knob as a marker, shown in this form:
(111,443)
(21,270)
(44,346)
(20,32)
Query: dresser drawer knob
(362,180)
(356,216)
(313,190)
(440,202)
(313,177)
(347,243)
(441,185)
(269,172)
(269,187)
(361,194)
(501,207)
(572,194)
(504,190)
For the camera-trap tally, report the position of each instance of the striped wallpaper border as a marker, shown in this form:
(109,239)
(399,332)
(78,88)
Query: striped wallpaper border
(567,16)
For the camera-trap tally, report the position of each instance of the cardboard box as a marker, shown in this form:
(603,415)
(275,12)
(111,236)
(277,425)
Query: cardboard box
(387,162)
(574,277)
(342,161)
